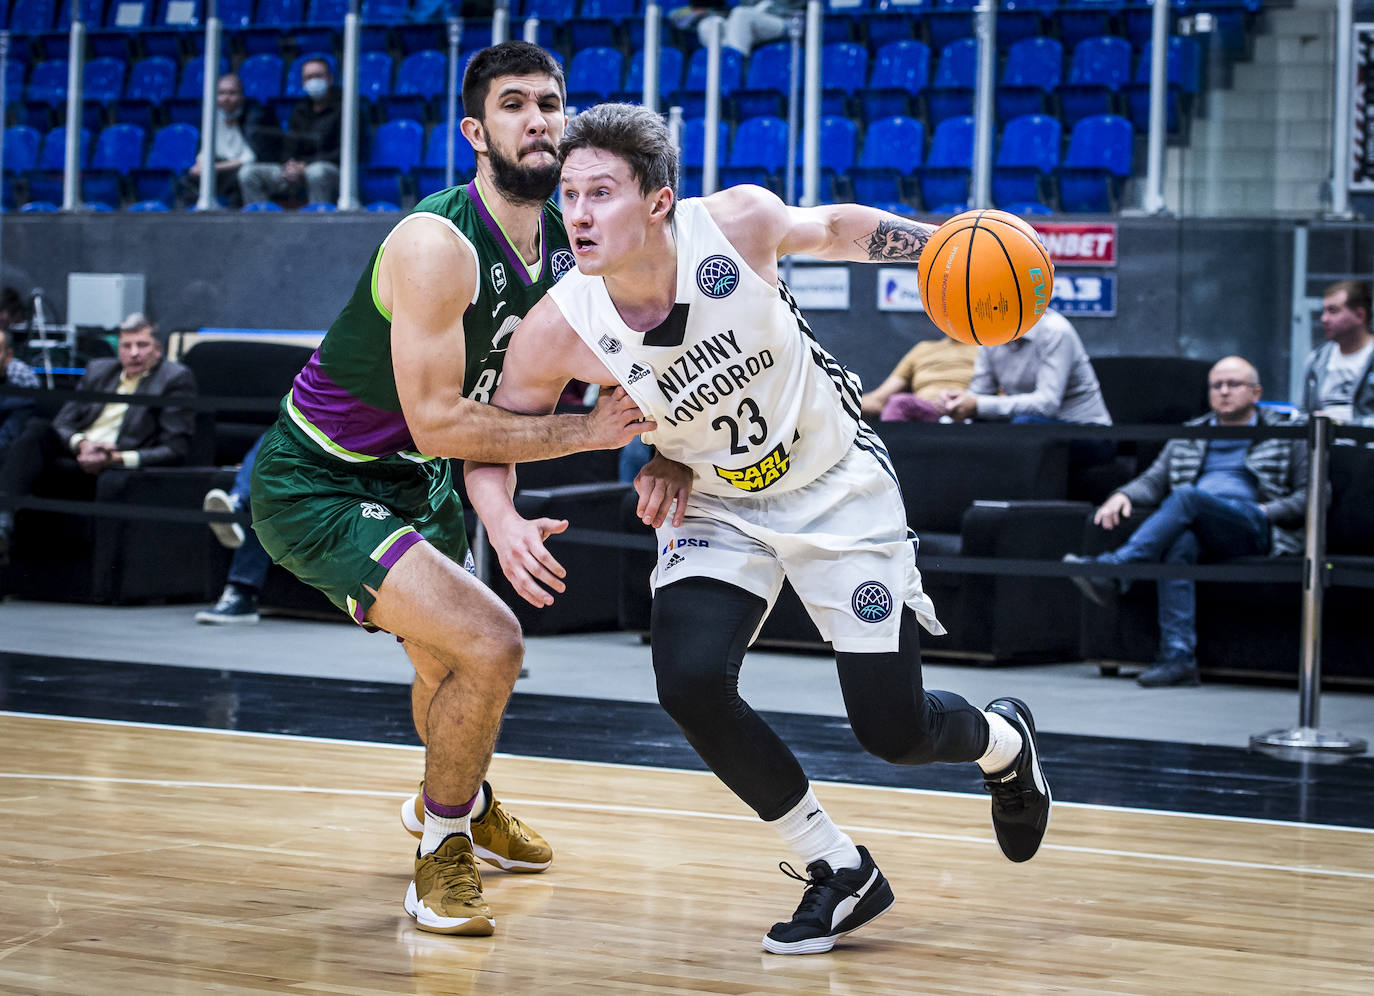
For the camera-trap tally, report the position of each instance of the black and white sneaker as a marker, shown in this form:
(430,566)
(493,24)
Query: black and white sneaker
(1020,795)
(835,902)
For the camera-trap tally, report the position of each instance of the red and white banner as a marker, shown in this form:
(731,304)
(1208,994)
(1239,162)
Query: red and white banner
(1079,244)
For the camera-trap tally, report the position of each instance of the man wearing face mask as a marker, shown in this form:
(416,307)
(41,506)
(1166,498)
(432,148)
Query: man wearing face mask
(244,133)
(310,147)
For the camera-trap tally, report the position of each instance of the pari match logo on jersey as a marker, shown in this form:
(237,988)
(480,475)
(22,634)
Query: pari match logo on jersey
(758,476)
(717,276)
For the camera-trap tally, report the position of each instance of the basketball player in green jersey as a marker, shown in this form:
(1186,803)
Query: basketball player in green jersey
(352,489)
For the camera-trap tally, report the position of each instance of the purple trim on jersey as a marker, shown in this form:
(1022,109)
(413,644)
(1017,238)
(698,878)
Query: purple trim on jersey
(517,264)
(402,544)
(347,421)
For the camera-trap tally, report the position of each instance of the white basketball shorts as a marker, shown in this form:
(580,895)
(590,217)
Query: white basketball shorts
(842,541)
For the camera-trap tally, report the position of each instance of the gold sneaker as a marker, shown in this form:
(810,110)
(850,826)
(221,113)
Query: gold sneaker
(498,838)
(445,897)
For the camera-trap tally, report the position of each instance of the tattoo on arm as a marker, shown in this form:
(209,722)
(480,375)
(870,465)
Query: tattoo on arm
(895,241)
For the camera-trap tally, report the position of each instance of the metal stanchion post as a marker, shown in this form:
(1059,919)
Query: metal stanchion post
(1307,735)
(451,117)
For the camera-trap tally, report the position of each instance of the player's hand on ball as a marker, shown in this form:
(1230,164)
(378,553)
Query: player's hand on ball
(615,420)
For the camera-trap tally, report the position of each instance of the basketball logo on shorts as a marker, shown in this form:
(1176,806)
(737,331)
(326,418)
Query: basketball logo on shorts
(562,261)
(717,276)
(872,602)
(371,510)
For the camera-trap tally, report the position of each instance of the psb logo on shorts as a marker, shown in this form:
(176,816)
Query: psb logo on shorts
(371,510)
(717,276)
(872,602)
(562,261)
(677,543)
(498,277)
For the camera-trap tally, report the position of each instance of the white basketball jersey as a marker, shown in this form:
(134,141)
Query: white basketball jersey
(741,391)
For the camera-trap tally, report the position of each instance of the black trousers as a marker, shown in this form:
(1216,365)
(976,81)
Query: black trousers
(699,632)
(37,456)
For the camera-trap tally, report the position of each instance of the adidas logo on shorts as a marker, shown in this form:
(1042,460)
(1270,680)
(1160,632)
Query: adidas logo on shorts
(637,372)
(673,561)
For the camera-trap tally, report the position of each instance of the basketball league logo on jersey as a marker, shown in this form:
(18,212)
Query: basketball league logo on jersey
(498,277)
(872,602)
(759,475)
(561,262)
(609,344)
(717,276)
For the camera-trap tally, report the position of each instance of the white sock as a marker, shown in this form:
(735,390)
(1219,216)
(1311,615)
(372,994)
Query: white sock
(437,828)
(482,803)
(1004,744)
(810,831)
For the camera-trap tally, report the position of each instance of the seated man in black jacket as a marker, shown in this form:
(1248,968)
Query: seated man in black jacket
(94,436)
(310,147)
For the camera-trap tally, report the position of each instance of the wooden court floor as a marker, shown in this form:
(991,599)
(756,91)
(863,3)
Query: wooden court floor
(148,860)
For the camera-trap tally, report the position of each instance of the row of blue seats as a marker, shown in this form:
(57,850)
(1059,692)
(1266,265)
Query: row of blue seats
(160,206)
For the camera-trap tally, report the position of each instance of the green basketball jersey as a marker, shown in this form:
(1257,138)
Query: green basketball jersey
(345,398)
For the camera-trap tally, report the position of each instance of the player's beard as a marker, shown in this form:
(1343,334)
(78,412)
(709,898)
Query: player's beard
(521,184)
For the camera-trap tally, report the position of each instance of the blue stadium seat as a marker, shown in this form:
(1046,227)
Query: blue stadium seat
(103,79)
(35,207)
(1023,208)
(947,20)
(152,80)
(901,70)
(270,18)
(323,26)
(893,151)
(383,207)
(432,171)
(175,22)
(32,17)
(692,97)
(1026,159)
(396,150)
(21,148)
(1100,67)
(48,83)
(601,22)
(193,77)
(759,151)
(173,151)
(1183,67)
(374,75)
(45,179)
(385,11)
(1018,20)
(419,79)
(1030,76)
(891,23)
(694,153)
(1096,165)
(593,75)
(670,62)
(945,177)
(118,151)
(320,207)
(256,206)
(56,43)
(839,138)
(844,71)
(148,206)
(1079,20)
(950,94)
(766,82)
(261,77)
(235,15)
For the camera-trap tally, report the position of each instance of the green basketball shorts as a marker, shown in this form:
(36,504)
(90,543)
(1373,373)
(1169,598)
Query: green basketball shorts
(340,526)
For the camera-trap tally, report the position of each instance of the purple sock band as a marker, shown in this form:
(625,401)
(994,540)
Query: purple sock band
(450,812)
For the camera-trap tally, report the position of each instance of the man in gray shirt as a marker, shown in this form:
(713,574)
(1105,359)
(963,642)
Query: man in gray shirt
(1044,376)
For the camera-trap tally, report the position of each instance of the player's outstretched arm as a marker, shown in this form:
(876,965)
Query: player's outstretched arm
(427,279)
(762,227)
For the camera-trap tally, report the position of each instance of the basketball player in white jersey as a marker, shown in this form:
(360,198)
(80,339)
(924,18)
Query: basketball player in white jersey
(680,303)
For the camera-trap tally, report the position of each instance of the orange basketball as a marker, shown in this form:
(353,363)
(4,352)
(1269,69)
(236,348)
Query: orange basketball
(984,277)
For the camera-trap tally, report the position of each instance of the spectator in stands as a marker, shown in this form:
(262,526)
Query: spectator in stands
(1217,498)
(94,436)
(15,410)
(244,133)
(913,391)
(14,310)
(238,603)
(311,146)
(1339,379)
(746,25)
